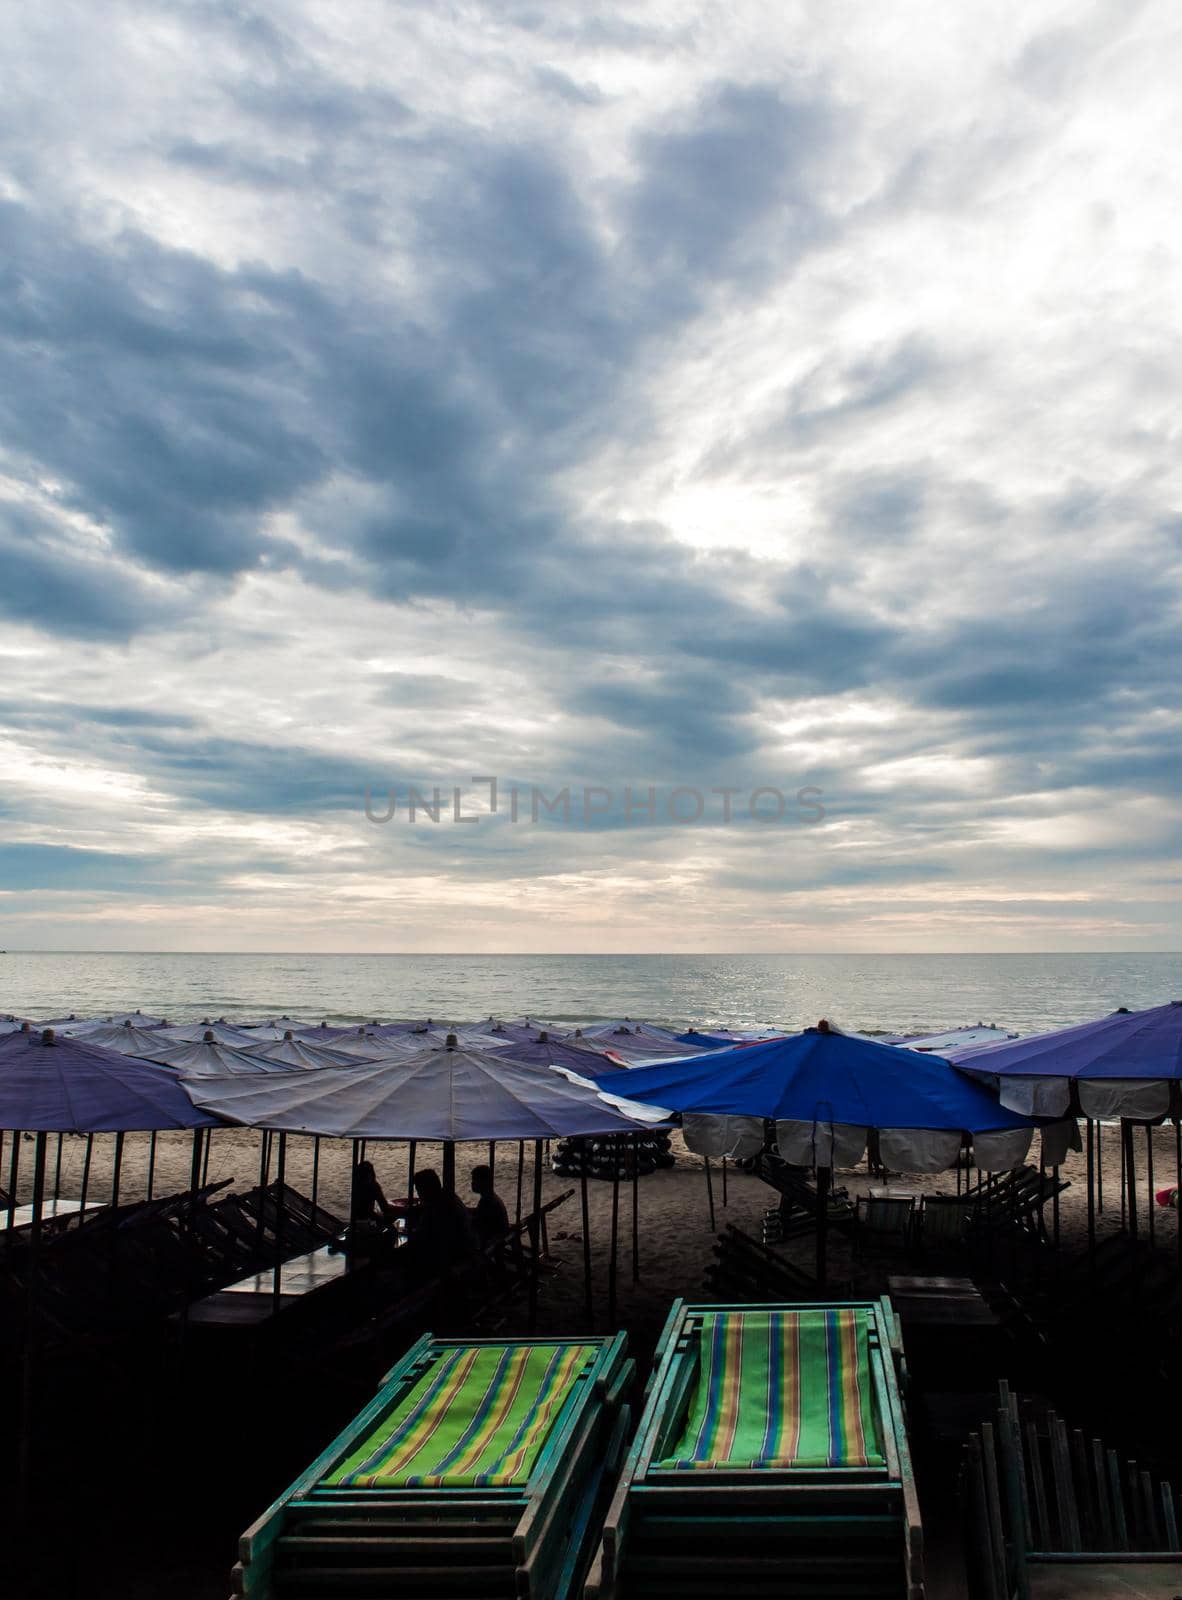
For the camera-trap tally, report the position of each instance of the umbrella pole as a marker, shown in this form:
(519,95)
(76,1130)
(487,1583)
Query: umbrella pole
(410,1171)
(264,1174)
(449,1165)
(57,1169)
(541,1152)
(1091,1160)
(117,1170)
(207,1141)
(151,1162)
(25,1444)
(822,1222)
(588,1306)
(636,1207)
(1149,1178)
(613,1259)
(492,1161)
(86,1171)
(724,1196)
(280,1173)
(1055,1206)
(14,1168)
(1126,1129)
(1099,1173)
(1124,1185)
(710,1193)
(535,1236)
(315,1167)
(520,1174)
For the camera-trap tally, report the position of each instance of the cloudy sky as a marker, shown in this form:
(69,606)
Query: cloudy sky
(714,397)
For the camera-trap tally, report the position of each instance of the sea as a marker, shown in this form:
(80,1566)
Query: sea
(868,993)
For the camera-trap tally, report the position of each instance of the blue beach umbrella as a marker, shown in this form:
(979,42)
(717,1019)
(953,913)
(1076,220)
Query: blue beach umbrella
(50,1084)
(825,1091)
(1127,1065)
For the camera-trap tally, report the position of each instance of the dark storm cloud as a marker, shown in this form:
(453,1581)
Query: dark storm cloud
(68,591)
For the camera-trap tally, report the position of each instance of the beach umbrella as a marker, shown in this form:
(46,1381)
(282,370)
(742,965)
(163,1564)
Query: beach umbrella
(291,1052)
(637,1041)
(711,1040)
(137,1019)
(53,1084)
(360,1046)
(1126,1066)
(541,1050)
(273,1028)
(448,1095)
(223,1032)
(206,1058)
(125,1037)
(520,1030)
(12,1024)
(952,1039)
(826,1092)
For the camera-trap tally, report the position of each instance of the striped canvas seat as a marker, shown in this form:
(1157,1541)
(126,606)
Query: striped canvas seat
(781,1389)
(477,1418)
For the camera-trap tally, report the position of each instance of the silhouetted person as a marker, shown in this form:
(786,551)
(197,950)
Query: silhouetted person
(441,1230)
(370,1217)
(490,1217)
(368,1203)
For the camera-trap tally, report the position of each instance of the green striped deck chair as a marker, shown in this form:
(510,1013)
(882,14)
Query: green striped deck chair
(475,1471)
(781,1389)
(771,1458)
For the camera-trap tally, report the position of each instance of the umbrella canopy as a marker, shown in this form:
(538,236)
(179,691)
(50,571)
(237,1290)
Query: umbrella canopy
(637,1041)
(826,1091)
(197,1032)
(138,1019)
(953,1039)
(1127,1064)
(292,1052)
(126,1038)
(50,1084)
(209,1059)
(14,1025)
(449,1094)
(363,1046)
(273,1028)
(540,1050)
(519,1030)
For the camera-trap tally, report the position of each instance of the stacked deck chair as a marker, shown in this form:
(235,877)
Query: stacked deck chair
(476,1471)
(771,1459)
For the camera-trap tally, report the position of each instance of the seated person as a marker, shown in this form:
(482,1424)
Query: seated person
(490,1217)
(441,1232)
(370,1216)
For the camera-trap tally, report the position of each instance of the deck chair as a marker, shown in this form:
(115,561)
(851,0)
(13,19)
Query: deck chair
(475,1471)
(942,1221)
(1044,1505)
(771,1459)
(883,1220)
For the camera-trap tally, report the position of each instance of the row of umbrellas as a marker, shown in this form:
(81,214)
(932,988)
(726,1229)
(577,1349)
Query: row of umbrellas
(825,1090)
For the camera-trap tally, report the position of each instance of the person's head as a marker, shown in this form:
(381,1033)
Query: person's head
(427,1184)
(482,1180)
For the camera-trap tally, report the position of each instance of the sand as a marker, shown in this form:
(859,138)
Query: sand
(674,1233)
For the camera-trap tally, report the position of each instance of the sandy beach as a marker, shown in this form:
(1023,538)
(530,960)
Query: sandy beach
(673,1224)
